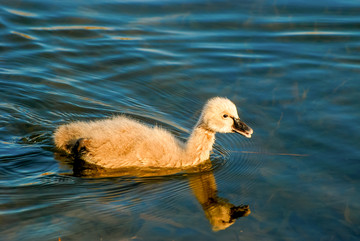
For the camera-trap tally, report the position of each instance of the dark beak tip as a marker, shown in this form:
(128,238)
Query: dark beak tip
(247,134)
(241,128)
(240,211)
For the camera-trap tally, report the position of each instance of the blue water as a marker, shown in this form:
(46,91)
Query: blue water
(291,67)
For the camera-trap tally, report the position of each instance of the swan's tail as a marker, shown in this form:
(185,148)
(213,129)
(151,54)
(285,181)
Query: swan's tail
(65,137)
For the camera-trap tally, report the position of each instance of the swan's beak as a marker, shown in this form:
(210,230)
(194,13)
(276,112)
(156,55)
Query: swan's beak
(241,128)
(239,211)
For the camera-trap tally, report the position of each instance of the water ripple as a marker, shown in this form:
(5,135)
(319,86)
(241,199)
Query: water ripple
(21,13)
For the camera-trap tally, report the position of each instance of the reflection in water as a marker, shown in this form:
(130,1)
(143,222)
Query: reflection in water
(220,212)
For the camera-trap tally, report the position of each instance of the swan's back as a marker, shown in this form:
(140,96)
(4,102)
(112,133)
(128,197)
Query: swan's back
(122,142)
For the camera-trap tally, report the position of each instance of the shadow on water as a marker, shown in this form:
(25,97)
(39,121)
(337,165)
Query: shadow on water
(219,211)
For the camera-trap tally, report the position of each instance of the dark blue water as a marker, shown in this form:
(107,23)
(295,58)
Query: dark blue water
(291,67)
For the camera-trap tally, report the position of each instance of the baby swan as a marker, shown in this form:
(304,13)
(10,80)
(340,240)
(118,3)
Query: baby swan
(123,142)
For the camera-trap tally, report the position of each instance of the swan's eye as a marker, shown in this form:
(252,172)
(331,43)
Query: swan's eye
(225,116)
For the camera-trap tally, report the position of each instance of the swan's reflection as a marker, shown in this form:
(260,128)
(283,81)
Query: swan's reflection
(220,212)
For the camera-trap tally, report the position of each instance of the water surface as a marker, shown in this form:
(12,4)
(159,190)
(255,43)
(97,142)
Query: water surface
(291,67)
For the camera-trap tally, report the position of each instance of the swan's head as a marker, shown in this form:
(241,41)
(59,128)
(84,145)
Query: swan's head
(220,115)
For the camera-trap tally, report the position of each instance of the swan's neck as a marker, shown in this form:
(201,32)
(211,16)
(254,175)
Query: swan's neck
(199,145)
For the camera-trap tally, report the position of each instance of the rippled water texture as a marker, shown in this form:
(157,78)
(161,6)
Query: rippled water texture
(291,67)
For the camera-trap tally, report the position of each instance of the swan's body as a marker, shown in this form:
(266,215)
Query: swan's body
(123,142)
